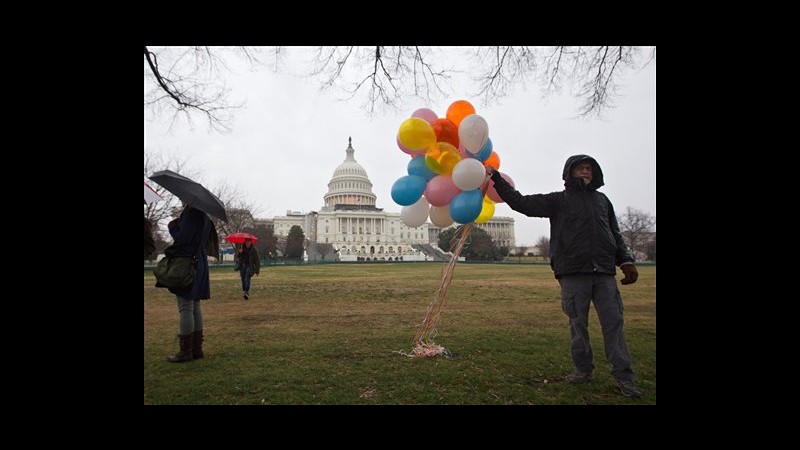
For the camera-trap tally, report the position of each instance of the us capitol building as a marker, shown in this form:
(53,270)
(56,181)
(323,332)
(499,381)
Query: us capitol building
(357,230)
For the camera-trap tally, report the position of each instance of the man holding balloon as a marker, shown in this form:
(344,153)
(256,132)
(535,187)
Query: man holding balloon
(586,246)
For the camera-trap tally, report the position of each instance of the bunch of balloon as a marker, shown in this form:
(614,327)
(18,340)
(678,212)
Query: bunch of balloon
(447,169)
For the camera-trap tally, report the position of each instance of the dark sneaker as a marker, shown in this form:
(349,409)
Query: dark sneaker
(627,389)
(246,296)
(579,377)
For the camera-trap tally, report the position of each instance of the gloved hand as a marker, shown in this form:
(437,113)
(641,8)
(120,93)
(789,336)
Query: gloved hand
(631,274)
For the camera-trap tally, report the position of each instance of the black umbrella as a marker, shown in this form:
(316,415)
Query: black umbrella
(191,192)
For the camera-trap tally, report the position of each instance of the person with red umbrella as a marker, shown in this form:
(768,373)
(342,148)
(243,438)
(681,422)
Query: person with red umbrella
(248,262)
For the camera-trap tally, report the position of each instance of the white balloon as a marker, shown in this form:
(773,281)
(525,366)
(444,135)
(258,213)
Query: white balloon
(473,133)
(415,214)
(468,174)
(440,216)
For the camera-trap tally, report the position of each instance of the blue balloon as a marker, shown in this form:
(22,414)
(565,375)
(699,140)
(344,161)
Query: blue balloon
(466,206)
(418,167)
(408,189)
(485,152)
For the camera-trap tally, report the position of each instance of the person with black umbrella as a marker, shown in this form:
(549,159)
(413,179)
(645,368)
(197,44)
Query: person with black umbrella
(191,233)
(194,235)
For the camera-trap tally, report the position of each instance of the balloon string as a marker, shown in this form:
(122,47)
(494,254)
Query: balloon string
(423,340)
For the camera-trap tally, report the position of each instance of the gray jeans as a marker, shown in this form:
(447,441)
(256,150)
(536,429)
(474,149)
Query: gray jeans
(191,315)
(576,293)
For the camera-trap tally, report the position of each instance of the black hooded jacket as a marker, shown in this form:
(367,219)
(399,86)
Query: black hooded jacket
(584,233)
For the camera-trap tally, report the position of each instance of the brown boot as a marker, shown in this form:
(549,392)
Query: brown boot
(186,349)
(197,340)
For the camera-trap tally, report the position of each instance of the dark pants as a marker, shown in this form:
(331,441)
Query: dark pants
(576,293)
(246,274)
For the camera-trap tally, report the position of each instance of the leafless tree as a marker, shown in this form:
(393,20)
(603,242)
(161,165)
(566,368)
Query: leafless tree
(187,80)
(637,228)
(520,250)
(182,81)
(543,245)
(389,74)
(158,211)
(241,212)
(592,73)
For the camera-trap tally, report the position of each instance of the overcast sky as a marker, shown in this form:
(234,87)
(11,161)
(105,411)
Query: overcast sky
(290,137)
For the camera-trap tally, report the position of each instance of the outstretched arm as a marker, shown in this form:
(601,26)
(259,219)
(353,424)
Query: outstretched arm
(535,205)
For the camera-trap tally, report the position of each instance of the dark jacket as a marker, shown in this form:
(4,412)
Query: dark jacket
(584,233)
(190,233)
(249,257)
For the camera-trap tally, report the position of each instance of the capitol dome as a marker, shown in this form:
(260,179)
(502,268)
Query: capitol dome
(350,184)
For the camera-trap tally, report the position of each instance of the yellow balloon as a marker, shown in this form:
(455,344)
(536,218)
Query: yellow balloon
(416,134)
(487,211)
(442,157)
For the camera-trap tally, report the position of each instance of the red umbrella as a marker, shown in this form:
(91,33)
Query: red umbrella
(238,238)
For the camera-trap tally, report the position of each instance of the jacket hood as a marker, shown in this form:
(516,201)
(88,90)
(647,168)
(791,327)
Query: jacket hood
(597,173)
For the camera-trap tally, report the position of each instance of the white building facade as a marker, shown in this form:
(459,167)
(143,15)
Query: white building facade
(360,231)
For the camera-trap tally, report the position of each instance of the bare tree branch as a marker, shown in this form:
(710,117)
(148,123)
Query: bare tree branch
(240,211)
(185,81)
(592,71)
(189,81)
(385,75)
(638,229)
(159,211)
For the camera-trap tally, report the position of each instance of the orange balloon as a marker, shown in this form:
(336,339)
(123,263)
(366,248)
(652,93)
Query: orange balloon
(493,160)
(458,110)
(446,131)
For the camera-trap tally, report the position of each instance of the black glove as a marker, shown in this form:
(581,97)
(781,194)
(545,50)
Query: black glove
(631,274)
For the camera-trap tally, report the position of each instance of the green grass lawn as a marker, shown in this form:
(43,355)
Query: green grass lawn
(330,334)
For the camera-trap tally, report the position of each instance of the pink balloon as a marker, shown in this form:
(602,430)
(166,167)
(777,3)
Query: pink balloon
(464,152)
(492,193)
(426,114)
(407,150)
(440,190)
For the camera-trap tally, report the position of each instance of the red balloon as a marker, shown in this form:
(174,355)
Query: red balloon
(446,131)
